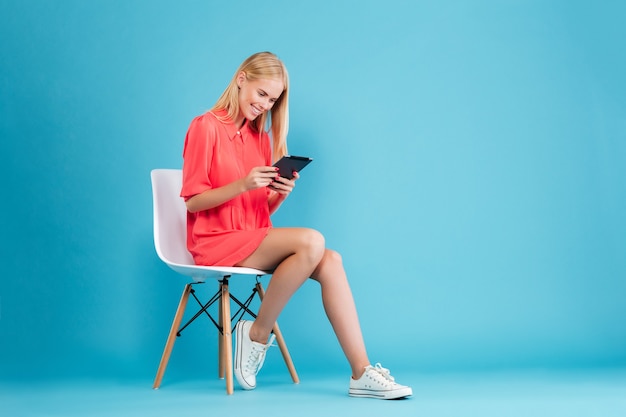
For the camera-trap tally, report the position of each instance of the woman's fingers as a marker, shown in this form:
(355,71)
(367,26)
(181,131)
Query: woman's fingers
(283,185)
(261,176)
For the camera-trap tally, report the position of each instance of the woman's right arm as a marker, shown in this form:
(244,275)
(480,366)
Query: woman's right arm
(257,177)
(215,196)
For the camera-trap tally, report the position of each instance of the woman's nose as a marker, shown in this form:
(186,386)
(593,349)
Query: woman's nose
(266,104)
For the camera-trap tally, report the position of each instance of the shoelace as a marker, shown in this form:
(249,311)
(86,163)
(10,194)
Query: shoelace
(384,372)
(257,356)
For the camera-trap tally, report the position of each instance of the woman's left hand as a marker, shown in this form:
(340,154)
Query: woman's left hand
(283,185)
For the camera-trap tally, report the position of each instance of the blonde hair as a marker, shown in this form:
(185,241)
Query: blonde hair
(262,65)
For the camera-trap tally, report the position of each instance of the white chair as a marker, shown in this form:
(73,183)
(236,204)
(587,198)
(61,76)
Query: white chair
(170,230)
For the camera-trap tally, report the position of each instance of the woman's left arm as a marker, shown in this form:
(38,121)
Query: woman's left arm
(281,188)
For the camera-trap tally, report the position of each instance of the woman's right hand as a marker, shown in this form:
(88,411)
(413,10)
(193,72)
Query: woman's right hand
(260,177)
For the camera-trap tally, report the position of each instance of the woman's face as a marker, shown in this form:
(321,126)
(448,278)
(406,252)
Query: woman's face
(256,97)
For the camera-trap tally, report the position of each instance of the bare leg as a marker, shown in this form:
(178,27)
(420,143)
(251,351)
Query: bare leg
(295,253)
(341,310)
(298,254)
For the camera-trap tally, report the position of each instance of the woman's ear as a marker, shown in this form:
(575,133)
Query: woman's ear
(241,77)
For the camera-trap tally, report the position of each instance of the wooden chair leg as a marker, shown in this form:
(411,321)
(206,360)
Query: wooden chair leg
(169,345)
(220,340)
(281,343)
(227,342)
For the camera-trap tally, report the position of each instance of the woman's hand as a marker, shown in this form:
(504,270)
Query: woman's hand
(283,185)
(260,177)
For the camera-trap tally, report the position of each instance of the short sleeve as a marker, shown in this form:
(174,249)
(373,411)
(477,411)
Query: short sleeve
(197,155)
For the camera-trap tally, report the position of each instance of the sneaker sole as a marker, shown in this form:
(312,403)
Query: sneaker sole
(383,395)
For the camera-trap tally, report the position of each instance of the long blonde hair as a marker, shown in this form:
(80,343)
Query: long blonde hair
(262,65)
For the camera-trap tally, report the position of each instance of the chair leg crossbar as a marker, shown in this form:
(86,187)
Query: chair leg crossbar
(243,308)
(224,325)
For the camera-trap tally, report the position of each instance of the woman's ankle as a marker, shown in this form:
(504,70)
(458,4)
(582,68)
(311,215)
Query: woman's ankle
(258,335)
(358,372)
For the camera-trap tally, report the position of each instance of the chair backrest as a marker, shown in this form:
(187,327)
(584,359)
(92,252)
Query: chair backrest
(170,217)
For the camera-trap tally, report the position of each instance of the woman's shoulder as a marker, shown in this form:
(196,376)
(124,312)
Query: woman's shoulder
(209,117)
(208,122)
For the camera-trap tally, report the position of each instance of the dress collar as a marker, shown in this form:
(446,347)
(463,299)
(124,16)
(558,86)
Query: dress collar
(233,131)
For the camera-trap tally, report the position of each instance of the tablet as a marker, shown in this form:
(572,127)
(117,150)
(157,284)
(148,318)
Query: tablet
(289,163)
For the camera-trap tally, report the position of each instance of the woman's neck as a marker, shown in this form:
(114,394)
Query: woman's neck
(240,121)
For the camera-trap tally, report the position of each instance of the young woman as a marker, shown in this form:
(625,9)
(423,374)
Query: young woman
(231,189)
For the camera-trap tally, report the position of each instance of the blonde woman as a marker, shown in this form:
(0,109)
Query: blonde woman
(231,189)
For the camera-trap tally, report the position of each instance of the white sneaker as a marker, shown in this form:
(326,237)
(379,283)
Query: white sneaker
(249,355)
(376,382)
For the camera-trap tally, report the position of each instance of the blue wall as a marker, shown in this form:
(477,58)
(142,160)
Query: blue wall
(469,165)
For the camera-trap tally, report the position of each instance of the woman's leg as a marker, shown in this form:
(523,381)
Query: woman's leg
(367,381)
(298,254)
(341,310)
(294,253)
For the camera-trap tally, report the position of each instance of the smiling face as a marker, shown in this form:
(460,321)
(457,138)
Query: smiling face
(256,96)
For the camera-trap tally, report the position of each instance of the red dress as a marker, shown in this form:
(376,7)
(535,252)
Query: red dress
(217,153)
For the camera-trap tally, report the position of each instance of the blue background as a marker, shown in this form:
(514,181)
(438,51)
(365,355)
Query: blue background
(469,165)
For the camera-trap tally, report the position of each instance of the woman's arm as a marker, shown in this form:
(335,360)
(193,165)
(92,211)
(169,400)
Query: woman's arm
(214,197)
(282,187)
(275,201)
(257,178)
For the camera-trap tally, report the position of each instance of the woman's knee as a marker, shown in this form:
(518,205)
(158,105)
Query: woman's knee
(332,257)
(313,244)
(329,268)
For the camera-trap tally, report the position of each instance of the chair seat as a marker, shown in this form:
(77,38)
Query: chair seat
(201,273)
